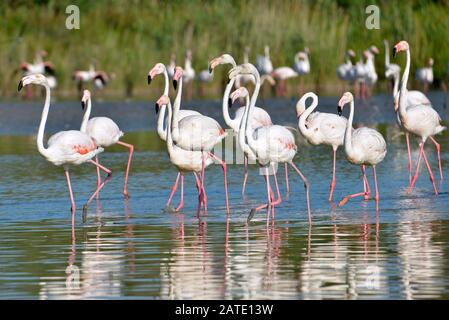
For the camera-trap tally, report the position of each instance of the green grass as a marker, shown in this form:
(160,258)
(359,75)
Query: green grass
(127,37)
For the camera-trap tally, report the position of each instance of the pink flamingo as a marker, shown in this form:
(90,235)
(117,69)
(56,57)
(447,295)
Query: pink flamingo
(65,148)
(321,128)
(106,133)
(269,144)
(419,120)
(99,78)
(363,146)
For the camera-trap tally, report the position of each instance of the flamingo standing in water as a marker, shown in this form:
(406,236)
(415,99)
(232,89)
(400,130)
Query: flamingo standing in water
(99,78)
(185,161)
(39,66)
(346,71)
(321,128)
(282,74)
(424,75)
(269,144)
(363,146)
(419,120)
(65,148)
(302,66)
(189,74)
(260,116)
(197,133)
(105,133)
(263,63)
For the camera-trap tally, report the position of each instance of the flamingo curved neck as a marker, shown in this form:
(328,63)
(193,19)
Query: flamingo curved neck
(387,55)
(233,123)
(40,133)
(161,131)
(348,132)
(86,116)
(246,128)
(306,113)
(169,138)
(403,90)
(176,107)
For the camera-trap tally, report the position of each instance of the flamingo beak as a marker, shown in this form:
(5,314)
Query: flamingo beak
(339,110)
(156,107)
(210,69)
(149,79)
(229,103)
(395,51)
(175,84)
(83,104)
(20,86)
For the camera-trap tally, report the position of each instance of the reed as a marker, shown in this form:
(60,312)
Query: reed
(126,38)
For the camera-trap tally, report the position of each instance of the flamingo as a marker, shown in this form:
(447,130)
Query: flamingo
(321,128)
(360,74)
(346,71)
(282,74)
(270,144)
(184,161)
(189,74)
(197,133)
(159,68)
(391,69)
(39,66)
(245,79)
(302,66)
(371,74)
(260,116)
(263,63)
(171,66)
(105,132)
(99,78)
(419,120)
(204,77)
(65,148)
(424,75)
(363,146)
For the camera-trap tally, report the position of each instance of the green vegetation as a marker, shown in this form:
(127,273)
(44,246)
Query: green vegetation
(127,37)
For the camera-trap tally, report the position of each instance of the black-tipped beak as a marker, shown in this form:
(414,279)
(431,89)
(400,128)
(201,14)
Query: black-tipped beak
(175,84)
(156,108)
(83,105)
(149,79)
(394,52)
(20,86)
(339,111)
(229,103)
(210,69)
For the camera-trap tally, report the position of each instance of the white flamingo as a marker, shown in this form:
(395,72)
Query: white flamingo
(321,128)
(282,74)
(391,69)
(189,74)
(204,77)
(363,146)
(159,68)
(419,120)
(65,148)
(424,75)
(302,66)
(260,116)
(269,144)
(360,74)
(171,66)
(346,71)
(99,78)
(197,133)
(184,161)
(105,133)
(245,79)
(39,66)
(371,74)
(263,63)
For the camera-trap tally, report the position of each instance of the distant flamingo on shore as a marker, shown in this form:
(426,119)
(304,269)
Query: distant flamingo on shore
(98,78)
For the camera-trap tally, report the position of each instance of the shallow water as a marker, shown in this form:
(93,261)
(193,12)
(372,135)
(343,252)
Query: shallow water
(134,249)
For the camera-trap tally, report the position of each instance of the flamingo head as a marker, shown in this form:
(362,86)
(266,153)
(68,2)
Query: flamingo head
(176,76)
(301,55)
(246,68)
(351,53)
(85,98)
(241,92)
(430,62)
(223,59)
(163,101)
(374,50)
(157,69)
(400,46)
(346,98)
(301,104)
(34,78)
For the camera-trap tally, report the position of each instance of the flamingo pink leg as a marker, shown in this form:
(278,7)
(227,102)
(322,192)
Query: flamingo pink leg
(128,166)
(287,185)
(98,176)
(223,165)
(181,202)
(437,146)
(365,193)
(407,139)
(245,161)
(375,183)
(306,186)
(432,179)
(269,198)
(279,199)
(333,182)
(173,190)
(198,186)
(106,180)
(72,200)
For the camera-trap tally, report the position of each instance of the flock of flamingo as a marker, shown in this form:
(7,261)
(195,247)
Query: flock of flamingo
(191,137)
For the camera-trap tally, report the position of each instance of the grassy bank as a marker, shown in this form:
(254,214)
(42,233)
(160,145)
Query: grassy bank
(127,37)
